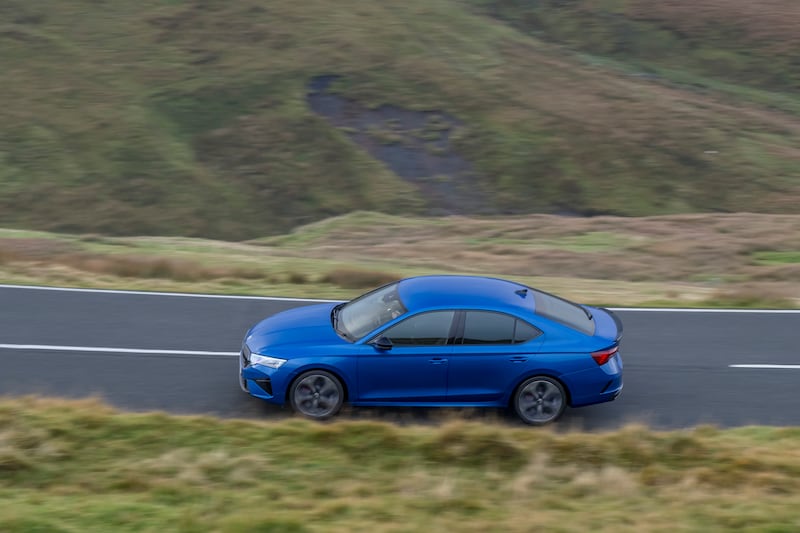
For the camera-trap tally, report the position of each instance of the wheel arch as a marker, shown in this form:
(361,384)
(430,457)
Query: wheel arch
(544,373)
(333,371)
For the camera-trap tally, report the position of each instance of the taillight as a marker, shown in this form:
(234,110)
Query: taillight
(603,356)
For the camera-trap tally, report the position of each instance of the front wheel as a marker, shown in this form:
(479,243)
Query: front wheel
(316,394)
(540,400)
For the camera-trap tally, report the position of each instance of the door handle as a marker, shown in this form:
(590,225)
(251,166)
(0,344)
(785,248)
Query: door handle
(518,359)
(437,361)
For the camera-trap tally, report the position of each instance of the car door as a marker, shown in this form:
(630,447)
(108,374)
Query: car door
(489,356)
(414,370)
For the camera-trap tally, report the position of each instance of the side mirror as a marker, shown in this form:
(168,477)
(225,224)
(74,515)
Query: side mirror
(383,344)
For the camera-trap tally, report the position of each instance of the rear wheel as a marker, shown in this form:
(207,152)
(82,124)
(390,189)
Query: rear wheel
(540,400)
(316,394)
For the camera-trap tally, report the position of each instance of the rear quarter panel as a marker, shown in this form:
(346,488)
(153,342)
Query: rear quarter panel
(565,354)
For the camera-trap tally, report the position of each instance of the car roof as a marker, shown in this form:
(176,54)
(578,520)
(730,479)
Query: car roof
(454,292)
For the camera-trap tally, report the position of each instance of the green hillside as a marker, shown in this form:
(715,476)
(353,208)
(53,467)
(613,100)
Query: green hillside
(752,44)
(239,119)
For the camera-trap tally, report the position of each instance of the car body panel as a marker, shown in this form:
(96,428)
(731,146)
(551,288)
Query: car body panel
(484,374)
(607,326)
(310,323)
(403,374)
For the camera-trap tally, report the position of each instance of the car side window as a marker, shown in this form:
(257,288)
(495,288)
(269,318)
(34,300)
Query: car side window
(525,332)
(486,327)
(426,329)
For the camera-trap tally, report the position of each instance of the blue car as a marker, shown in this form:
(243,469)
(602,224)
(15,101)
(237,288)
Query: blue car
(456,341)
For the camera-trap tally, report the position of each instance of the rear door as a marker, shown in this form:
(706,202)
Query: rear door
(489,356)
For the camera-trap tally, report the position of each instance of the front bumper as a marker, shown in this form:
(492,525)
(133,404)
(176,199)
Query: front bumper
(257,380)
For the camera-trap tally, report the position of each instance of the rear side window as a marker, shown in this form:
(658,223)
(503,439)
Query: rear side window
(486,327)
(525,332)
(564,312)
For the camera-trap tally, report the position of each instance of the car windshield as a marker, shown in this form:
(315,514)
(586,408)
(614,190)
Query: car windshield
(372,310)
(565,312)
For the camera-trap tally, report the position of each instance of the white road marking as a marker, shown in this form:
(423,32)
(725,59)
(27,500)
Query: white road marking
(101,349)
(794,367)
(155,293)
(317,300)
(148,351)
(704,310)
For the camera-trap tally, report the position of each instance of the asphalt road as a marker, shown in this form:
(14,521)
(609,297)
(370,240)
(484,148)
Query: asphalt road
(128,348)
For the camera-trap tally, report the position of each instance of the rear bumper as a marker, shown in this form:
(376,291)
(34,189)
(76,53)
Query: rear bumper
(598,385)
(614,390)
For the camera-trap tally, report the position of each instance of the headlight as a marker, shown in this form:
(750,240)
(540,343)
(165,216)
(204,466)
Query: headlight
(272,362)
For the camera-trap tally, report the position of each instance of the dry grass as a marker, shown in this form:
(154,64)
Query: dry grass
(130,266)
(79,466)
(606,260)
(755,294)
(349,278)
(32,248)
(68,254)
(714,249)
(735,260)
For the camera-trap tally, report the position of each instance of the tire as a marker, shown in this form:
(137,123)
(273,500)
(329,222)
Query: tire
(316,394)
(540,400)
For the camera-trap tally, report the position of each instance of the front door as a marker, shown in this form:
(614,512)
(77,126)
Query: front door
(414,370)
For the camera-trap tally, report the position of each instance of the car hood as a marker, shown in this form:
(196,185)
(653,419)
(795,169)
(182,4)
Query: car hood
(308,325)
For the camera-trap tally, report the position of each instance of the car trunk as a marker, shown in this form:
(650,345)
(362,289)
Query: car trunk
(607,326)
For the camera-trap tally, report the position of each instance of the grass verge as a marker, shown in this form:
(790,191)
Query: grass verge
(689,260)
(83,467)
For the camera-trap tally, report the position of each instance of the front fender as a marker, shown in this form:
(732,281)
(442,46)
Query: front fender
(341,367)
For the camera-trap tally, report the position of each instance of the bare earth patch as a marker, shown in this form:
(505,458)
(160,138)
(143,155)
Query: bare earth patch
(415,145)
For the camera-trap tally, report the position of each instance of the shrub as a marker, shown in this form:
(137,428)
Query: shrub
(348,278)
(298,278)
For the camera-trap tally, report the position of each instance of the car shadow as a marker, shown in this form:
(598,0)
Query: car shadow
(591,418)
(436,416)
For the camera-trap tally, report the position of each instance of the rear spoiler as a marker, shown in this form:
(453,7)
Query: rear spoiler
(617,322)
